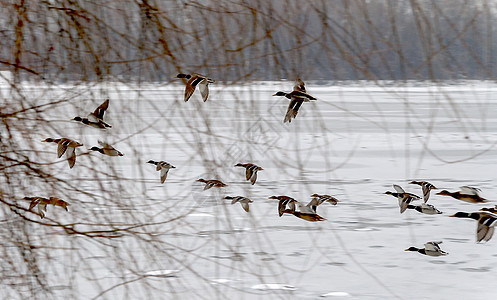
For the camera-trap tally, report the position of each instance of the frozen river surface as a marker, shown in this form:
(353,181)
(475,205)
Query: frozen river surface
(353,143)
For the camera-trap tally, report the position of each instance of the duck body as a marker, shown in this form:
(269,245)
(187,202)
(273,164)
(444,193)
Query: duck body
(466,194)
(244,202)
(106,149)
(297,97)
(67,146)
(311,217)
(486,223)
(426,188)
(194,80)
(250,171)
(163,167)
(96,118)
(430,249)
(212,183)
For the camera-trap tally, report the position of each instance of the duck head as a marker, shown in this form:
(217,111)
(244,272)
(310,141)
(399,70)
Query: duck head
(280,94)
(181,75)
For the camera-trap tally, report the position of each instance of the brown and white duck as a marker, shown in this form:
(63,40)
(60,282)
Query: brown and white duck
(106,149)
(194,80)
(486,223)
(466,194)
(42,203)
(96,118)
(242,200)
(426,187)
(67,146)
(297,97)
(212,183)
(250,171)
(163,167)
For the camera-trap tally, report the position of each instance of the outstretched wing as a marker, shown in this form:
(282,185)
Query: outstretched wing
(398,188)
(484,232)
(71,156)
(203,86)
(163,174)
(61,149)
(293,109)
(245,206)
(469,190)
(100,111)
(189,89)
(299,86)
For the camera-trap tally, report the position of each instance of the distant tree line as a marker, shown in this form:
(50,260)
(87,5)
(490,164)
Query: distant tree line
(236,40)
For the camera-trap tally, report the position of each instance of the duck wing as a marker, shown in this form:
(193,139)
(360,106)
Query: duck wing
(293,109)
(484,232)
(245,205)
(251,174)
(34,202)
(163,174)
(189,89)
(100,111)
(203,86)
(314,203)
(406,200)
(61,149)
(433,246)
(398,188)
(71,156)
(426,191)
(485,228)
(469,190)
(235,200)
(299,86)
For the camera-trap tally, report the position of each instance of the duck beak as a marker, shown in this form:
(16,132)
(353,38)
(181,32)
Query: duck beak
(406,250)
(452,216)
(275,95)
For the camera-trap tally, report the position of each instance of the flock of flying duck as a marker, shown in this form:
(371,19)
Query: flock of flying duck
(486,217)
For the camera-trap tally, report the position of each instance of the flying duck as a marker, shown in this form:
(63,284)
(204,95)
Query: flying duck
(425,208)
(43,202)
(320,199)
(212,183)
(195,80)
(305,212)
(163,167)
(404,198)
(284,201)
(242,200)
(67,146)
(426,187)
(466,194)
(430,249)
(486,223)
(250,171)
(296,97)
(96,118)
(106,149)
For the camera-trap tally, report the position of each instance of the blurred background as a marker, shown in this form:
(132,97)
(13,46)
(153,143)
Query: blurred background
(405,91)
